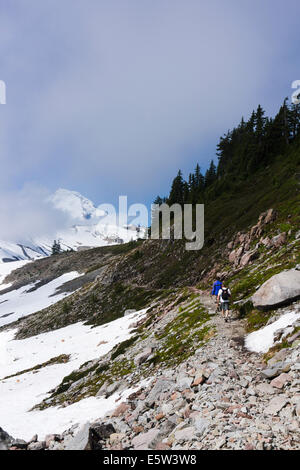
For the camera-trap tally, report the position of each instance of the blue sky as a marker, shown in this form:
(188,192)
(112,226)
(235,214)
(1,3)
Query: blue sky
(113,97)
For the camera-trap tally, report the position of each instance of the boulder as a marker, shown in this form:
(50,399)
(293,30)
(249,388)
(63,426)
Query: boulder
(248,257)
(275,405)
(280,289)
(142,357)
(279,240)
(146,440)
(40,445)
(5,440)
(275,370)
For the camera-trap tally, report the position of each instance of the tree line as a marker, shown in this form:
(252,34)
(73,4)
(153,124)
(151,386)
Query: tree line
(242,151)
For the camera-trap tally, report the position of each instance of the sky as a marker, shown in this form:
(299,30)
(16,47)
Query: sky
(112,97)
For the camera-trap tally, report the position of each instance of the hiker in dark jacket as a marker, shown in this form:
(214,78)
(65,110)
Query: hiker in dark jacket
(216,287)
(223,298)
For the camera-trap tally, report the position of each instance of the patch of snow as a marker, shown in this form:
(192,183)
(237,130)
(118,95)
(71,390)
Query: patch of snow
(262,340)
(19,394)
(7,268)
(19,303)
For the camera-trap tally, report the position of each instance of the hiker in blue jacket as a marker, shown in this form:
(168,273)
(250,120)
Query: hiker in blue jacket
(216,287)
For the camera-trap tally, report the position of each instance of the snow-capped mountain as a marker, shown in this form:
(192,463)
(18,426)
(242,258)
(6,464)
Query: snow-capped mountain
(87,228)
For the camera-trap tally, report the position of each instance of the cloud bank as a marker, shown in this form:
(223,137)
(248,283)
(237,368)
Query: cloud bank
(112,97)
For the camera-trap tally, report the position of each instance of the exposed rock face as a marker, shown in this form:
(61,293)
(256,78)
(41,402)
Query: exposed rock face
(280,289)
(5,440)
(240,252)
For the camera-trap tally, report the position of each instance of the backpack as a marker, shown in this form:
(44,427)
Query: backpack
(225,294)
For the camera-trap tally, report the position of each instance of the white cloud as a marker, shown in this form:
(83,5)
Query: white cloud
(28,213)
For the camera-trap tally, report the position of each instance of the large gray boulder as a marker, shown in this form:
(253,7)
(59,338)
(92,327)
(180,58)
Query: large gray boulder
(280,289)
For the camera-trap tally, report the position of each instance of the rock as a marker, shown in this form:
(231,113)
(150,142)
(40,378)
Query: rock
(140,358)
(275,405)
(5,440)
(183,382)
(81,440)
(265,389)
(19,444)
(266,242)
(275,370)
(90,437)
(270,216)
(279,356)
(201,425)
(281,380)
(99,432)
(116,438)
(40,445)
(120,410)
(294,337)
(279,240)
(146,440)
(198,381)
(185,434)
(51,438)
(249,256)
(129,311)
(280,289)
(162,385)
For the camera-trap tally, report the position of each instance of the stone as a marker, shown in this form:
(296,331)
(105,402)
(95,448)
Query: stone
(81,440)
(275,370)
(278,356)
(281,380)
(270,216)
(142,357)
(201,425)
(146,440)
(40,445)
(198,381)
(279,289)
(279,240)
(183,382)
(5,440)
(248,257)
(121,409)
(99,432)
(275,405)
(116,438)
(185,434)
(162,385)
(265,389)
(50,438)
(129,311)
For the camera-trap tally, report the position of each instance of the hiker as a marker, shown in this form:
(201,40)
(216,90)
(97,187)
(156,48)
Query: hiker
(223,297)
(216,287)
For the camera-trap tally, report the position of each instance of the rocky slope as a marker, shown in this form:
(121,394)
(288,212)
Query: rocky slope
(212,394)
(197,386)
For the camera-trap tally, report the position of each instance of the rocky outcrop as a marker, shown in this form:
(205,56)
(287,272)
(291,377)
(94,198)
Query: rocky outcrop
(5,440)
(241,253)
(280,289)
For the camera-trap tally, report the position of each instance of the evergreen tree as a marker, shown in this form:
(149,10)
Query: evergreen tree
(56,248)
(210,175)
(178,190)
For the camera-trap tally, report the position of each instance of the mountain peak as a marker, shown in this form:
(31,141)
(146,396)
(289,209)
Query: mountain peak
(76,205)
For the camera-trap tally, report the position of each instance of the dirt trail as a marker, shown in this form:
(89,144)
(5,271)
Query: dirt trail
(234,329)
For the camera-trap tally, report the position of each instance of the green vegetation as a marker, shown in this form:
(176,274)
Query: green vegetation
(121,348)
(182,336)
(54,360)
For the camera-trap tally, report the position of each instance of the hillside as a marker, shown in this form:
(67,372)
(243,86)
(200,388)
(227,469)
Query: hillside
(127,337)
